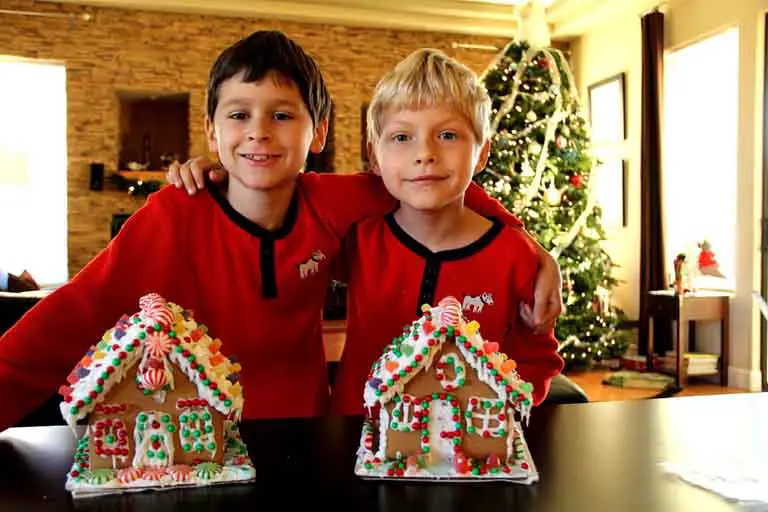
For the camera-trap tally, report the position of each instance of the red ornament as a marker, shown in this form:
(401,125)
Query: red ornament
(461,463)
(576,180)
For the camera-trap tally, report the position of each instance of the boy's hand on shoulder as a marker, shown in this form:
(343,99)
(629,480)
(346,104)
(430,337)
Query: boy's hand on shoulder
(191,174)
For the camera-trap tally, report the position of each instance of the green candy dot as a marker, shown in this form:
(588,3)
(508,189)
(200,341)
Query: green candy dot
(155,438)
(104,375)
(193,417)
(394,424)
(487,404)
(161,455)
(396,414)
(110,439)
(141,426)
(449,359)
(227,402)
(129,348)
(73,409)
(99,388)
(165,418)
(142,335)
(116,361)
(183,418)
(142,417)
(179,349)
(87,400)
(171,334)
(196,434)
(455,410)
(171,429)
(206,416)
(186,447)
(150,454)
(455,441)
(425,449)
(471,429)
(211,446)
(208,429)
(198,447)
(185,433)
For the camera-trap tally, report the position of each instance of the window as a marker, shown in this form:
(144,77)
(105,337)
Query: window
(33,169)
(700,153)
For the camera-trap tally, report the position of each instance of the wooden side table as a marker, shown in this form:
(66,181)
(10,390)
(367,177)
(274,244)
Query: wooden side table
(685,310)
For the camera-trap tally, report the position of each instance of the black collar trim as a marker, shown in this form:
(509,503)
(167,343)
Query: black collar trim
(451,254)
(250,226)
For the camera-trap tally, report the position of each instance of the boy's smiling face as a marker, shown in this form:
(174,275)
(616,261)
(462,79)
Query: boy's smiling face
(427,156)
(262,131)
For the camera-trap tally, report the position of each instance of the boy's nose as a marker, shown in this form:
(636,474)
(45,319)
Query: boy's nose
(425,155)
(258,131)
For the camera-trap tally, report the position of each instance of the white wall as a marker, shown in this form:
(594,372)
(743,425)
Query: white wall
(616,46)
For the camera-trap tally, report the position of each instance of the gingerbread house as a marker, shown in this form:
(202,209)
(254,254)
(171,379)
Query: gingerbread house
(155,405)
(444,403)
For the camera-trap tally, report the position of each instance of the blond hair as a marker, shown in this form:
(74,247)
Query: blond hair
(426,78)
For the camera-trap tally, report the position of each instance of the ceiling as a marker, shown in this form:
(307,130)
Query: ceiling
(568,18)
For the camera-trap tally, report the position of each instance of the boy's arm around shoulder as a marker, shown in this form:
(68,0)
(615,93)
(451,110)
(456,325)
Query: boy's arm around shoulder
(536,353)
(40,350)
(343,199)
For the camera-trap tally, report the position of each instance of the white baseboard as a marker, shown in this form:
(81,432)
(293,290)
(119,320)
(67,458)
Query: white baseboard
(745,379)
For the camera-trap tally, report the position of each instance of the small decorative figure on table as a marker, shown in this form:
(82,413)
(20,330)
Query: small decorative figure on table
(708,266)
(680,271)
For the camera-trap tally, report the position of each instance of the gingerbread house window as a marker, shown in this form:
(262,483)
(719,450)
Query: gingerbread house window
(153,437)
(110,440)
(486,417)
(450,371)
(196,432)
(405,414)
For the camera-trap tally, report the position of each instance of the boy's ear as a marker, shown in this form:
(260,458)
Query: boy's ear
(372,161)
(210,135)
(482,159)
(318,140)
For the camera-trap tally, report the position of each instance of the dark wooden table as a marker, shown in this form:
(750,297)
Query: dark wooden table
(593,457)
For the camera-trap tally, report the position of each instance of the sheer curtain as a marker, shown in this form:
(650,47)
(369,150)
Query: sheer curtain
(700,152)
(33,169)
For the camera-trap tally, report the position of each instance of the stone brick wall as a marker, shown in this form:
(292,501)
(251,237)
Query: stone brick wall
(164,52)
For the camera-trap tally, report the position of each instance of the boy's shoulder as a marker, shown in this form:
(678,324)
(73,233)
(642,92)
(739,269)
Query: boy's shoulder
(513,240)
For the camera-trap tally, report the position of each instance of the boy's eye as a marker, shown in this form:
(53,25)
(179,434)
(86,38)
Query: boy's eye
(282,116)
(400,137)
(449,135)
(237,115)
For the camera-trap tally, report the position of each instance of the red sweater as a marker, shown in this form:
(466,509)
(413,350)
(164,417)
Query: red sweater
(392,275)
(260,292)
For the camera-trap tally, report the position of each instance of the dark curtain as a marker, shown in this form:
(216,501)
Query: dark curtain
(652,267)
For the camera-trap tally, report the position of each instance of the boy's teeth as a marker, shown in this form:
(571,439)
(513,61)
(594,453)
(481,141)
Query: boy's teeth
(256,157)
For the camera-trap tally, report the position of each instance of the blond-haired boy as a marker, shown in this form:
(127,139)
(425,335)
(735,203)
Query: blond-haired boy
(429,134)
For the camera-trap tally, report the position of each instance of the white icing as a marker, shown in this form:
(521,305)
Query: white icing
(117,434)
(440,420)
(143,441)
(488,417)
(200,424)
(404,421)
(458,370)
(383,428)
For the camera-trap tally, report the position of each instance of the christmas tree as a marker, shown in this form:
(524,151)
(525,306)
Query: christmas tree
(540,168)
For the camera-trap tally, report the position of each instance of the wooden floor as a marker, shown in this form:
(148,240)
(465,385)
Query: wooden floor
(591,383)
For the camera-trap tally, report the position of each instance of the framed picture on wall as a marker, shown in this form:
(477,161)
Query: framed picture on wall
(607,110)
(611,191)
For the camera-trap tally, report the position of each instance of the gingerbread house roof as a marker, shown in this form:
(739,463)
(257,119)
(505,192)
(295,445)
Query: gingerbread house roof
(415,350)
(160,331)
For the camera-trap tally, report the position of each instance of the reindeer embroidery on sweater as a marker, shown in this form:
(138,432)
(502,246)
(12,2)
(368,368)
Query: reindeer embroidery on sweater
(475,304)
(312,265)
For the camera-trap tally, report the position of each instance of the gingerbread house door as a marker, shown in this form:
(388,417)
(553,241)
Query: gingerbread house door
(442,429)
(153,439)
